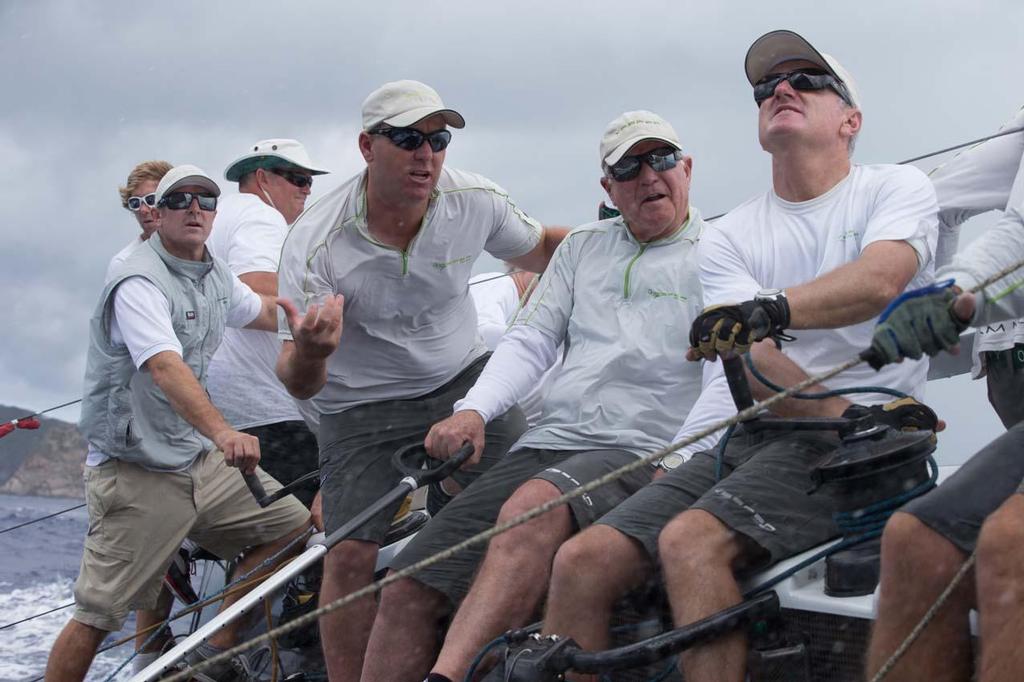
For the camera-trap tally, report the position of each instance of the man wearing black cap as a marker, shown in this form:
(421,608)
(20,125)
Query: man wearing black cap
(397,242)
(823,253)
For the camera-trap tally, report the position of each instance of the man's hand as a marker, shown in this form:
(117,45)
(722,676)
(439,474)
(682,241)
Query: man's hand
(446,437)
(923,321)
(240,449)
(735,327)
(905,414)
(316,511)
(318,332)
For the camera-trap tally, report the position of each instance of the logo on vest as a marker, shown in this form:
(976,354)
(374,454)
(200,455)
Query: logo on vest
(190,314)
(446,264)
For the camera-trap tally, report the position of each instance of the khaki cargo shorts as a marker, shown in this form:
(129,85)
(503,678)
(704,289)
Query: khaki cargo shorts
(138,518)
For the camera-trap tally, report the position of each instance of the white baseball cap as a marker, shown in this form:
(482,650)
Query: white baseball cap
(183,176)
(275,153)
(404,103)
(632,127)
(776,47)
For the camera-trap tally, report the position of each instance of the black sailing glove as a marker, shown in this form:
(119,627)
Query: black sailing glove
(732,327)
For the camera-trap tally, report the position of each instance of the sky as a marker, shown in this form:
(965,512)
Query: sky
(91,89)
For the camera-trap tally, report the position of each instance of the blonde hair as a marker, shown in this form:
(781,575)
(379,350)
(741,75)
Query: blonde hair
(147,170)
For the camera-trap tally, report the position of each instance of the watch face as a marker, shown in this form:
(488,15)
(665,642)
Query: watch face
(769,293)
(671,461)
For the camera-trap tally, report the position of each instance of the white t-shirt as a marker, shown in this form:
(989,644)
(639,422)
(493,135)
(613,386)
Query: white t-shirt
(497,302)
(247,235)
(409,321)
(141,321)
(987,177)
(623,309)
(121,256)
(771,243)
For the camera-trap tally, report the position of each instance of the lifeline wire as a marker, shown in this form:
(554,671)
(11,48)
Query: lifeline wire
(41,518)
(480,538)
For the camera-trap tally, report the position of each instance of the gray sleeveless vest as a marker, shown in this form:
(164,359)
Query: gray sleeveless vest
(125,415)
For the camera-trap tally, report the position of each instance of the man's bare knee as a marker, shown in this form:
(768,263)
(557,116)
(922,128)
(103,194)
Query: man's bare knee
(407,593)
(696,539)
(1001,541)
(529,495)
(350,557)
(601,562)
(911,551)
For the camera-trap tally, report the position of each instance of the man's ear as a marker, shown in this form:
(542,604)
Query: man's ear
(365,146)
(607,185)
(852,122)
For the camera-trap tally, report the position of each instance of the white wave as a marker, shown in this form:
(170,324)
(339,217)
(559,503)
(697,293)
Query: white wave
(25,647)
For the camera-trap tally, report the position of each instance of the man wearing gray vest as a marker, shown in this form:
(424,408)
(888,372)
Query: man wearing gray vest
(160,455)
(398,241)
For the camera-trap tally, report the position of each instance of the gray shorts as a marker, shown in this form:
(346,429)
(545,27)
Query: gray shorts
(476,508)
(1004,371)
(287,451)
(762,494)
(356,448)
(958,507)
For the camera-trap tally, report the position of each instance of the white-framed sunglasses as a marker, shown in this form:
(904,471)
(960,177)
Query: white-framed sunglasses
(135,203)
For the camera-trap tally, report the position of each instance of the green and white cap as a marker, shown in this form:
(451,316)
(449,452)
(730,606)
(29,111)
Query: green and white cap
(632,127)
(404,103)
(275,153)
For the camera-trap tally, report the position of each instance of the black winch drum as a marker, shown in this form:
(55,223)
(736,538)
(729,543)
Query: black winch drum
(875,465)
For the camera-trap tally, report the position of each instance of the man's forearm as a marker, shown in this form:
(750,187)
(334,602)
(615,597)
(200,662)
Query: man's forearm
(782,371)
(186,394)
(303,377)
(854,292)
(267,319)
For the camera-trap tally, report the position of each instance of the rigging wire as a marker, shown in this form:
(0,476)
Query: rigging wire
(41,518)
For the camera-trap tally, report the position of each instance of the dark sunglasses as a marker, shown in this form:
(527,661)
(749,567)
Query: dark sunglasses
(298,179)
(179,201)
(800,79)
(660,160)
(135,203)
(411,139)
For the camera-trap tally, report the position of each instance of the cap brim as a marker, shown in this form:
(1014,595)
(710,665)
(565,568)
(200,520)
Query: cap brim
(616,154)
(414,116)
(250,162)
(195,180)
(776,47)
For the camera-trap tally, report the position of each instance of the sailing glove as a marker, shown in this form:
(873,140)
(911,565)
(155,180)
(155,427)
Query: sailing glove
(735,327)
(905,414)
(918,322)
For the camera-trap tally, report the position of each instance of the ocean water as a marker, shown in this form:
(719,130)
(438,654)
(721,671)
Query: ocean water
(38,566)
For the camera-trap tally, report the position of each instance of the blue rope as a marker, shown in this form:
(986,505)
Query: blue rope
(825,394)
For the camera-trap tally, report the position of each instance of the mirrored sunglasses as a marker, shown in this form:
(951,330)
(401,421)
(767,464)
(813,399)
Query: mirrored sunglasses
(801,79)
(411,139)
(135,203)
(660,160)
(179,201)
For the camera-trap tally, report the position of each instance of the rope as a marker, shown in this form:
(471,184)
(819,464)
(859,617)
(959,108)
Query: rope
(540,510)
(41,518)
(928,617)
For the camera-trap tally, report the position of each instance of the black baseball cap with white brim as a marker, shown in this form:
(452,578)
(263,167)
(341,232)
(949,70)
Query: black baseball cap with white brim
(275,153)
(400,104)
(776,47)
(185,175)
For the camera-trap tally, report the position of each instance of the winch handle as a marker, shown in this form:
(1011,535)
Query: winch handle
(257,490)
(401,458)
(736,375)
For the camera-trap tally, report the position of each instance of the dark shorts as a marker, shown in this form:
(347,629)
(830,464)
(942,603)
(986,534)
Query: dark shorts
(288,450)
(476,508)
(957,508)
(356,448)
(1004,370)
(762,494)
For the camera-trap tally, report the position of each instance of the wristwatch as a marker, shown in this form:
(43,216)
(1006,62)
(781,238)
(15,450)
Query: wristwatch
(670,461)
(769,295)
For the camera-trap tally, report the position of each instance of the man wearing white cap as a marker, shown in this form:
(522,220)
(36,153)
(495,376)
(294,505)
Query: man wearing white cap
(160,459)
(823,252)
(398,242)
(274,179)
(619,294)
